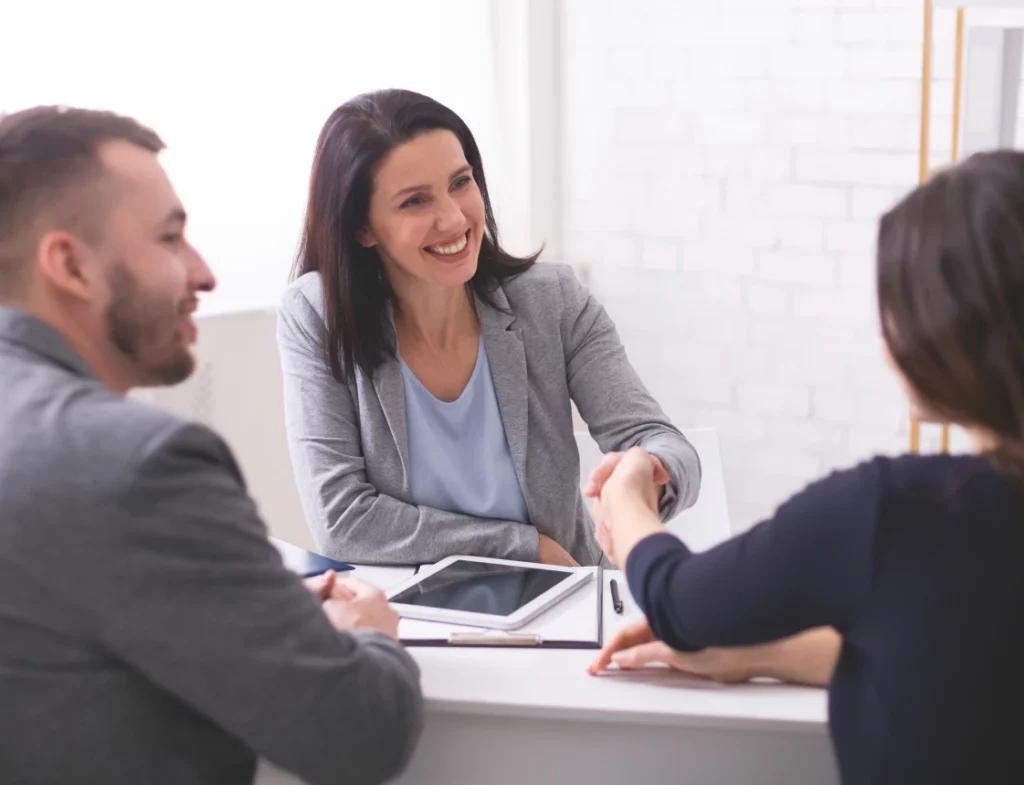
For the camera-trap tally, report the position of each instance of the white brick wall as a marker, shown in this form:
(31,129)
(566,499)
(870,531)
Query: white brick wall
(726,165)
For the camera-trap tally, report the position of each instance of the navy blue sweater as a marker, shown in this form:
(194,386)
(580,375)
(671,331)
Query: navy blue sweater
(918,562)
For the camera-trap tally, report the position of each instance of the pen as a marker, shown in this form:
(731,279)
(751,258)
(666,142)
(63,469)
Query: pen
(616,599)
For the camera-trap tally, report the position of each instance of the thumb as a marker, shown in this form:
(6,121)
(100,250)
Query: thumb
(644,654)
(321,585)
(637,460)
(358,588)
(328,577)
(660,473)
(342,591)
(601,473)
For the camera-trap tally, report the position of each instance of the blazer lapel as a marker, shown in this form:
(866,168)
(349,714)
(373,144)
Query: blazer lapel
(507,358)
(390,388)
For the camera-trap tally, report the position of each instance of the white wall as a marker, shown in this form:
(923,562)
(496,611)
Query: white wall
(725,166)
(240,91)
(237,389)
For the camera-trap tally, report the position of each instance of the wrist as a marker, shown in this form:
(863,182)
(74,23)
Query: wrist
(760,661)
(631,522)
(805,658)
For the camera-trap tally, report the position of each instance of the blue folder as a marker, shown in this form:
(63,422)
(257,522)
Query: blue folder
(305,563)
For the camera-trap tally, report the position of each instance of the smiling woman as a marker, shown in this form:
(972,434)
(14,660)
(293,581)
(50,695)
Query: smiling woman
(430,375)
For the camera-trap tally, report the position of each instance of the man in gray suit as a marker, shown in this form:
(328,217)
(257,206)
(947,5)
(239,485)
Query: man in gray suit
(148,631)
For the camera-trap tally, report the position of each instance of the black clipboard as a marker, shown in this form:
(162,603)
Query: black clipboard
(512,640)
(306,563)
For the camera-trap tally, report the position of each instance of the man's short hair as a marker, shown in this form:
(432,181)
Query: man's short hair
(48,159)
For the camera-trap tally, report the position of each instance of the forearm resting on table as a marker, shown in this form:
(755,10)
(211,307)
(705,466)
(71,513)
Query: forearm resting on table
(806,658)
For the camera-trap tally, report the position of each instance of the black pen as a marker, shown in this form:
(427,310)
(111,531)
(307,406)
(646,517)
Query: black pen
(616,599)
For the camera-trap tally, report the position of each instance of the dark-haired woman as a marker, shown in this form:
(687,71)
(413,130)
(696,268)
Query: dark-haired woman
(429,374)
(917,562)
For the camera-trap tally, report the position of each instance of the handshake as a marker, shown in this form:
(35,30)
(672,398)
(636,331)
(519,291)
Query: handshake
(626,488)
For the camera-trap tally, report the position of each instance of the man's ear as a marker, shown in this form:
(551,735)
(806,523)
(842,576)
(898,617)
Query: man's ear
(62,262)
(366,238)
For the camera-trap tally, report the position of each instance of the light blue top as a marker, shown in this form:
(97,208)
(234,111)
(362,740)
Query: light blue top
(459,458)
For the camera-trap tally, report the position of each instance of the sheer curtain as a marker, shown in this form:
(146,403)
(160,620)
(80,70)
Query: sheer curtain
(239,94)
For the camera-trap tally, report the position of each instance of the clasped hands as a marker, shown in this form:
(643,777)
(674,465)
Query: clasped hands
(351,604)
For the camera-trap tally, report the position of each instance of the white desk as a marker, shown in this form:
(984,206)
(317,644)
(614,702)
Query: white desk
(504,717)
(508,717)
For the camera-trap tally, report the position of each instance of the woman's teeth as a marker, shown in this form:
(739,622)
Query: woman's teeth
(447,250)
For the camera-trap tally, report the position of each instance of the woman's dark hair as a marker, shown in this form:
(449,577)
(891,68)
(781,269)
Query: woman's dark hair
(354,141)
(951,297)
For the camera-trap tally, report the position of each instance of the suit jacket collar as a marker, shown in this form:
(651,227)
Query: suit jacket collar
(506,354)
(18,328)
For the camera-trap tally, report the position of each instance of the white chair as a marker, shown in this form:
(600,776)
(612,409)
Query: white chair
(706,523)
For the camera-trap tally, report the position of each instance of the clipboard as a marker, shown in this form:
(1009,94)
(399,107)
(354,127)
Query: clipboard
(538,634)
(306,564)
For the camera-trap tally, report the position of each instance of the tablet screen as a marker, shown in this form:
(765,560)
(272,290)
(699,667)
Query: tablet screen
(479,587)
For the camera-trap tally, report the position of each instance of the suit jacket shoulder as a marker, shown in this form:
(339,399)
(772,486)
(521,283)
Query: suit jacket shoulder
(545,293)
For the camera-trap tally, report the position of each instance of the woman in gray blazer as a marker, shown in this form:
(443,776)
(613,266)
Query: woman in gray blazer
(429,374)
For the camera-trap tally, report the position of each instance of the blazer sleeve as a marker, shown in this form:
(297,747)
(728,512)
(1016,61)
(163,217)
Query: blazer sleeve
(350,520)
(810,565)
(193,597)
(616,406)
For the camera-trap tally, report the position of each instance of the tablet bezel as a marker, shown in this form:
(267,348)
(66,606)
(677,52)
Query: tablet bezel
(577,577)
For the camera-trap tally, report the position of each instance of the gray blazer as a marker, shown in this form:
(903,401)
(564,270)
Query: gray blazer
(148,631)
(555,344)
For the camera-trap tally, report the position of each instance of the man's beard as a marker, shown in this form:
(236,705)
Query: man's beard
(146,331)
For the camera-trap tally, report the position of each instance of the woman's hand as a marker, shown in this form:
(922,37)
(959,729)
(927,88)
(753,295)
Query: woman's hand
(635,475)
(550,552)
(805,658)
(636,647)
(604,470)
(601,533)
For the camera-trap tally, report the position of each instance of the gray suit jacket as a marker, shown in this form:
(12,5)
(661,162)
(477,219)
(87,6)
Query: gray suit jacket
(148,631)
(555,344)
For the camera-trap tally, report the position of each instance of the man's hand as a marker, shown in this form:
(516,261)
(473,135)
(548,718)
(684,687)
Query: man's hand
(550,552)
(321,585)
(355,605)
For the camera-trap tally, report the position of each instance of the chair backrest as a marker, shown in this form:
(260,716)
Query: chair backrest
(706,523)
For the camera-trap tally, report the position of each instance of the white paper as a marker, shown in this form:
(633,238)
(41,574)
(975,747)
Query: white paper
(573,618)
